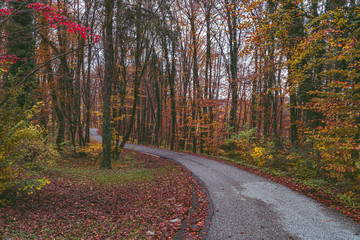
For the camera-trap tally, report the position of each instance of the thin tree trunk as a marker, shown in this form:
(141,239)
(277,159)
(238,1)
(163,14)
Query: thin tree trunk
(196,84)
(159,109)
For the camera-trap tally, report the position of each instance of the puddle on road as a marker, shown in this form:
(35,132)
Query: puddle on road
(299,214)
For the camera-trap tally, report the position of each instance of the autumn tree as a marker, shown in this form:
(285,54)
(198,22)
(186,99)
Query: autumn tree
(21,43)
(107,86)
(22,145)
(232,8)
(337,137)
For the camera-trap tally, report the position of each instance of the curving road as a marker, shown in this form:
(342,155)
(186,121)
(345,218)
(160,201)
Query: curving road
(248,206)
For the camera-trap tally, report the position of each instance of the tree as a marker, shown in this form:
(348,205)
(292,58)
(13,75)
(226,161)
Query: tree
(336,140)
(21,43)
(234,38)
(22,144)
(46,15)
(107,85)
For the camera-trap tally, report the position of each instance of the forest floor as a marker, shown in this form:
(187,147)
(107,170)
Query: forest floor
(142,197)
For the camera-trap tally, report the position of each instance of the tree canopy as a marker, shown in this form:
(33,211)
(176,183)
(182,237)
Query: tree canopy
(265,81)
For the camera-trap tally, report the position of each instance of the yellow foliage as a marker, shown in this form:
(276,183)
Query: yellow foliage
(261,156)
(94,149)
(23,150)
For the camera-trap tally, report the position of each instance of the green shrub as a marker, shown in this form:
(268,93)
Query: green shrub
(23,150)
(129,157)
(239,145)
(304,165)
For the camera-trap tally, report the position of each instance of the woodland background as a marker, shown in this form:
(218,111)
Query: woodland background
(269,83)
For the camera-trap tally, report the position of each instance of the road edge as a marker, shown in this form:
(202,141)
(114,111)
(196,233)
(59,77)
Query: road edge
(187,224)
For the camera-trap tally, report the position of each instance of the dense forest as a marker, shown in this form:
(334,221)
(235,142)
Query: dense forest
(273,83)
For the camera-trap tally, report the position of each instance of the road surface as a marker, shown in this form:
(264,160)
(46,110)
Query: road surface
(248,206)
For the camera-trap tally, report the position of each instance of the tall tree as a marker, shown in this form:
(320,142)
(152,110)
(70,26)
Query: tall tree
(141,43)
(21,43)
(295,28)
(107,85)
(234,37)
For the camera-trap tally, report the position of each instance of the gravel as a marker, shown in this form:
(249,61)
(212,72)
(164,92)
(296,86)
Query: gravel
(248,206)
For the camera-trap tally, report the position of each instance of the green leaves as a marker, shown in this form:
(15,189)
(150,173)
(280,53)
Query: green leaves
(330,60)
(23,150)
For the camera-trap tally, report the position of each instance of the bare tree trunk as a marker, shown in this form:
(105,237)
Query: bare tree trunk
(138,72)
(208,5)
(172,99)
(234,46)
(254,102)
(87,98)
(159,108)
(196,84)
(108,55)
(77,96)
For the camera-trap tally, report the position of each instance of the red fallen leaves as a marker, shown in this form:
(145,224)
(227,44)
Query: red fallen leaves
(199,212)
(71,208)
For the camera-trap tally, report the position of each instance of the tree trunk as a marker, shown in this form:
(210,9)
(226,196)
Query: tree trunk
(196,84)
(159,109)
(234,46)
(108,56)
(138,72)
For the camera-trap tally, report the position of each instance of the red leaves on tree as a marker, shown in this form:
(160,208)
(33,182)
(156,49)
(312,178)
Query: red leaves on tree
(53,16)
(5,11)
(9,59)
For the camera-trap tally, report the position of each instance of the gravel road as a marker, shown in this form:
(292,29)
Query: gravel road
(248,206)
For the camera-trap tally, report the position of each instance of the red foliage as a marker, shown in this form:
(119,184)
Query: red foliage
(5,11)
(54,16)
(8,59)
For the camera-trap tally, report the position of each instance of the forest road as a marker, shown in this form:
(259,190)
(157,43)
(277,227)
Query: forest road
(248,206)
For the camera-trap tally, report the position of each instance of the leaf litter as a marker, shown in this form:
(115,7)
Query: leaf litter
(73,207)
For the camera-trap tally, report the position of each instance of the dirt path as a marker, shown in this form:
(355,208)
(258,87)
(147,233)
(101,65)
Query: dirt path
(247,206)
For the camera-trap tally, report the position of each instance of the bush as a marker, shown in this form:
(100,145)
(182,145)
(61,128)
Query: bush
(93,149)
(240,144)
(23,151)
(304,165)
(262,156)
